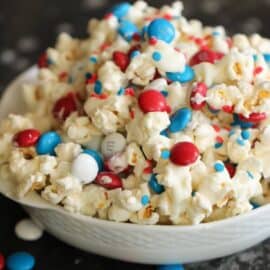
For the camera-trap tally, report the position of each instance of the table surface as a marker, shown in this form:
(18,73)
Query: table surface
(27,28)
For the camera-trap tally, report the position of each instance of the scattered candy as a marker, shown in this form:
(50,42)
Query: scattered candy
(205,55)
(108,180)
(198,95)
(2,261)
(98,87)
(121,10)
(170,267)
(153,101)
(127,29)
(113,144)
(154,185)
(20,261)
(85,168)
(97,156)
(47,142)
(184,153)
(121,59)
(27,230)
(27,137)
(182,77)
(180,120)
(161,29)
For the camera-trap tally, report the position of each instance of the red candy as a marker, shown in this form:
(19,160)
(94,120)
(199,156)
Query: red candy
(230,168)
(43,61)
(228,108)
(121,59)
(205,55)
(153,101)
(184,153)
(2,261)
(64,106)
(253,117)
(108,180)
(199,89)
(27,137)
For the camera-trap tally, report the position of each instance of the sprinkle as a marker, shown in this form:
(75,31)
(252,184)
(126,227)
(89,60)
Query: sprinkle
(232,132)
(219,139)
(164,133)
(129,92)
(134,54)
(255,57)
(152,41)
(132,113)
(250,175)
(154,185)
(98,87)
(93,59)
(148,169)
(92,79)
(193,193)
(219,167)
(240,141)
(216,127)
(215,34)
(164,93)
(156,56)
(257,70)
(182,77)
(245,134)
(266,57)
(121,91)
(136,37)
(145,200)
(165,154)
(254,205)
(218,145)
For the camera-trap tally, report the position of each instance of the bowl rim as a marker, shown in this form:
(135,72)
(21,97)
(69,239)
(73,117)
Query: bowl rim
(125,225)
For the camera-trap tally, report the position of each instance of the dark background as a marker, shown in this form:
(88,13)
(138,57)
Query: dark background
(27,27)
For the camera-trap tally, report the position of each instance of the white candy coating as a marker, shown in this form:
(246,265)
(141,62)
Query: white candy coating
(27,230)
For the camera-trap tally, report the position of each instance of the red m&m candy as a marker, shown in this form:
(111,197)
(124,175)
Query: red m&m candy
(108,180)
(121,59)
(254,117)
(27,137)
(205,55)
(197,97)
(64,106)
(2,261)
(153,101)
(184,153)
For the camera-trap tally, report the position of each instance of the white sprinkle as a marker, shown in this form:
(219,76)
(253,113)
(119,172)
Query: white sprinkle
(27,230)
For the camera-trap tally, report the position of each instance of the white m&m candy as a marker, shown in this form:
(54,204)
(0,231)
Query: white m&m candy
(113,144)
(85,168)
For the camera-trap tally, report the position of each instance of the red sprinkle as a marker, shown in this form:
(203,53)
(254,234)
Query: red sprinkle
(27,137)
(184,153)
(257,70)
(92,79)
(153,41)
(205,55)
(104,46)
(231,169)
(62,76)
(219,139)
(43,61)
(228,108)
(108,180)
(216,127)
(201,89)
(121,59)
(255,117)
(149,168)
(129,92)
(64,106)
(2,261)
(167,16)
(136,37)
(153,101)
(132,113)
(99,96)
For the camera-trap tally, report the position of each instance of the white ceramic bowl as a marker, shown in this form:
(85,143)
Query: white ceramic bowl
(137,243)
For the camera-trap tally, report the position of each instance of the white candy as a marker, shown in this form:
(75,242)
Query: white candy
(112,144)
(85,168)
(27,230)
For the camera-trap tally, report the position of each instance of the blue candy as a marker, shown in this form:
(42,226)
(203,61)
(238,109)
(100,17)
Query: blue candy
(254,205)
(127,29)
(121,10)
(47,142)
(182,77)
(161,29)
(96,155)
(164,133)
(20,261)
(219,167)
(238,122)
(134,54)
(180,120)
(266,57)
(165,154)
(170,267)
(245,134)
(154,185)
(156,56)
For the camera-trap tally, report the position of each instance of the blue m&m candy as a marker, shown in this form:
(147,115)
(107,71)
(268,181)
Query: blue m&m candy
(47,142)
(121,10)
(97,156)
(161,29)
(20,261)
(154,185)
(182,77)
(127,29)
(180,120)
(171,267)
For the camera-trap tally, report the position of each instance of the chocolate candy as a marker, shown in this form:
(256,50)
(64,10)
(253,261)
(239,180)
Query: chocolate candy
(27,137)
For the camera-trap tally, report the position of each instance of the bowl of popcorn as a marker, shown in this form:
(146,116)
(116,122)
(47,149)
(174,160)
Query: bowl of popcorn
(147,141)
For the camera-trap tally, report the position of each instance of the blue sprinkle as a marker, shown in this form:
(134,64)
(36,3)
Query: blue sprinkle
(182,77)
(218,145)
(156,56)
(154,185)
(88,75)
(164,133)
(165,154)
(232,132)
(20,261)
(127,29)
(161,29)
(98,87)
(245,134)
(97,156)
(239,122)
(255,57)
(164,93)
(254,205)
(121,91)
(266,57)
(250,175)
(180,120)
(170,267)
(121,10)
(93,59)
(240,141)
(215,34)
(134,54)
(47,143)
(193,193)
(219,167)
(145,200)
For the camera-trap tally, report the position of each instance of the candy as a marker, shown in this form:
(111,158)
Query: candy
(98,87)
(197,97)
(245,134)
(26,138)
(153,101)
(20,261)
(266,57)
(170,267)
(161,29)
(154,185)
(108,180)
(253,117)
(156,56)
(230,168)
(180,120)
(127,29)
(121,59)
(47,142)
(2,261)
(113,144)
(219,167)
(205,55)
(184,153)
(27,230)
(182,77)
(85,168)
(165,154)
(97,156)
(64,106)
(121,10)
